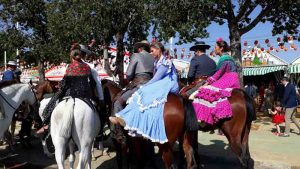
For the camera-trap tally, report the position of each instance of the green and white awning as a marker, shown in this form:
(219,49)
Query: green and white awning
(294,68)
(253,71)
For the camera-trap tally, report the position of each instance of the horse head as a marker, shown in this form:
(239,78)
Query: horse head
(43,88)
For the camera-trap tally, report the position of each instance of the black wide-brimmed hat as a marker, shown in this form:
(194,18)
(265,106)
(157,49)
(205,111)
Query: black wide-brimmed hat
(199,45)
(142,43)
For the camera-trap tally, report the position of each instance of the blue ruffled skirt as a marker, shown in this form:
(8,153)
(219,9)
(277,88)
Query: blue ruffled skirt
(144,113)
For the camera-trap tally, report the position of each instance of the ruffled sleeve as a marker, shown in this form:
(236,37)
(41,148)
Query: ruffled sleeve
(163,67)
(227,66)
(167,63)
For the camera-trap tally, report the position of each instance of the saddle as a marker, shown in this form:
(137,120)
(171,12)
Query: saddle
(183,91)
(138,80)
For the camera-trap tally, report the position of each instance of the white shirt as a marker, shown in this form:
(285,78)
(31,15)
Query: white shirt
(97,80)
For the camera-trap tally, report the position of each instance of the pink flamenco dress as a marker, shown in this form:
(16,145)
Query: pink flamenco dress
(211,102)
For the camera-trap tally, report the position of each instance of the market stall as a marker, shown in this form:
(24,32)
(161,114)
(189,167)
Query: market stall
(262,66)
(294,71)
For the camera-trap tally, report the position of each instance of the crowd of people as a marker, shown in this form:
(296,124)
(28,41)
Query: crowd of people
(279,101)
(153,76)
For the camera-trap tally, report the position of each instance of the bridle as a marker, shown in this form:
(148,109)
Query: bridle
(36,103)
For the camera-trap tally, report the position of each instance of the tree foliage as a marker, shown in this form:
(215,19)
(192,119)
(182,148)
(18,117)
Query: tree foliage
(48,28)
(284,14)
(186,18)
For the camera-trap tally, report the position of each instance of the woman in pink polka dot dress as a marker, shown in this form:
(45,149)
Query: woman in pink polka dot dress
(211,103)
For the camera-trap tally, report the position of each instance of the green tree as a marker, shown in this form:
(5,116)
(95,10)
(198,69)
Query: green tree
(194,16)
(130,22)
(184,18)
(31,17)
(80,21)
(10,41)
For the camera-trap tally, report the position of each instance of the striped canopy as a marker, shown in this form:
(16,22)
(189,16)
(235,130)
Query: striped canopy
(253,71)
(294,68)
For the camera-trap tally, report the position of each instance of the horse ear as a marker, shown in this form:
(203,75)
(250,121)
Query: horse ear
(30,82)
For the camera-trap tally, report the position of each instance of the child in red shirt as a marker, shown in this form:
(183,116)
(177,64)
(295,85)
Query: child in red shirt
(278,116)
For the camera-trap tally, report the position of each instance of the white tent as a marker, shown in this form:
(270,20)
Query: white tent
(270,64)
(294,67)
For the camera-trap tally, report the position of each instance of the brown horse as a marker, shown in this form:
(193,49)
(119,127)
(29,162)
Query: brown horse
(177,124)
(42,88)
(237,128)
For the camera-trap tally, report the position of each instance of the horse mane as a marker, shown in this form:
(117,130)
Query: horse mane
(12,89)
(107,81)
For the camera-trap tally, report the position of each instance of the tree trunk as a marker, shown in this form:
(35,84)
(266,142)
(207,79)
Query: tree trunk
(106,63)
(236,47)
(41,71)
(120,57)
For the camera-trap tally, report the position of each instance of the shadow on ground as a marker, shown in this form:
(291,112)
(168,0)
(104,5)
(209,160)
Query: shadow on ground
(29,158)
(217,155)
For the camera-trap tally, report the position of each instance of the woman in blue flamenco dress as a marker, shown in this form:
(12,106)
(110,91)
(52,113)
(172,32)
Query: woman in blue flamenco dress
(143,115)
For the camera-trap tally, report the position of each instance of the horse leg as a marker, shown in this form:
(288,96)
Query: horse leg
(188,140)
(121,148)
(72,154)
(12,130)
(60,150)
(85,156)
(167,156)
(101,147)
(137,146)
(235,141)
(92,151)
(8,136)
(246,157)
(45,149)
(181,153)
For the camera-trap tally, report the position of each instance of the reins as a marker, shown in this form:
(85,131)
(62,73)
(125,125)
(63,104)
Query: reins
(7,102)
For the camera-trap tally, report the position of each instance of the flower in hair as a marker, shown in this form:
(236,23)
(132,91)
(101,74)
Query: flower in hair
(220,39)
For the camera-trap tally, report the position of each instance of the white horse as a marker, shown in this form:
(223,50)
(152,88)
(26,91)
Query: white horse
(11,98)
(74,120)
(43,105)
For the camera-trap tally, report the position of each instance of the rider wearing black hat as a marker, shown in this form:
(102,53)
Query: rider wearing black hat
(201,67)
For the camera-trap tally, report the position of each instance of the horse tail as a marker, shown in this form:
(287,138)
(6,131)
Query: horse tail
(67,120)
(190,120)
(251,115)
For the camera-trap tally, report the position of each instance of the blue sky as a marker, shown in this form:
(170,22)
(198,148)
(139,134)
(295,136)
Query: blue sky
(261,32)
